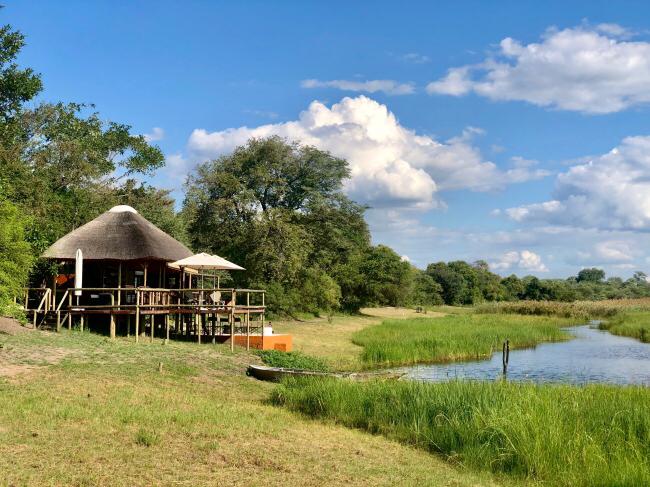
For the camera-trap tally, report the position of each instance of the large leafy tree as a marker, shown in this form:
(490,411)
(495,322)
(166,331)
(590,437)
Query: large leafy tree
(60,163)
(15,252)
(278,208)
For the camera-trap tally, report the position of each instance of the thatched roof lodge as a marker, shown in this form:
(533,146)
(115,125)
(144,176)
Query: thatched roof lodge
(120,248)
(120,234)
(129,286)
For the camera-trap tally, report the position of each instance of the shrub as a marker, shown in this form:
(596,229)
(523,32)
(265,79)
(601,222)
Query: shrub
(292,360)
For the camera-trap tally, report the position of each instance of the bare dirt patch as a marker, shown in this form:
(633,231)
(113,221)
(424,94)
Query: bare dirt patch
(9,326)
(18,358)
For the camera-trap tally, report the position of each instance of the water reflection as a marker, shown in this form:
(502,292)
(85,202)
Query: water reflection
(593,356)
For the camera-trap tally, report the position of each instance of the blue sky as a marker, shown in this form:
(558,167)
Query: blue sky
(474,129)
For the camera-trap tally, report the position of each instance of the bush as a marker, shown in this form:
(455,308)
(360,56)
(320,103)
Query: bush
(292,360)
(15,254)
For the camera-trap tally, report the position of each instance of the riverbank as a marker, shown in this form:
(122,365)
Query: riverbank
(453,338)
(625,317)
(80,409)
(561,435)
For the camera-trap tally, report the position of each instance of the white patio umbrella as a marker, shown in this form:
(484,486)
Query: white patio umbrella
(78,272)
(205,261)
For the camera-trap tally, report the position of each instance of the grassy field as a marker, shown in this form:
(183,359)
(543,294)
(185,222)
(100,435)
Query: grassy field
(453,337)
(560,435)
(79,409)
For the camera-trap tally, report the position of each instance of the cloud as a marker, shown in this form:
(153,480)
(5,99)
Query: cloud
(415,58)
(387,86)
(156,134)
(523,260)
(391,165)
(610,191)
(262,114)
(586,69)
(613,251)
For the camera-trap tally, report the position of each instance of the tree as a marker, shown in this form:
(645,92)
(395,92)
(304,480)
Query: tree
(279,209)
(454,286)
(386,277)
(425,290)
(60,163)
(591,275)
(514,287)
(17,86)
(15,253)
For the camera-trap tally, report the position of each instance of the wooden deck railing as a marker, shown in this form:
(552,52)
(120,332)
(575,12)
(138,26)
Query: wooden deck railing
(230,302)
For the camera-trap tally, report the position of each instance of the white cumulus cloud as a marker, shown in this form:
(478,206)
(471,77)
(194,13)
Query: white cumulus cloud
(523,260)
(586,69)
(155,135)
(387,86)
(610,191)
(391,165)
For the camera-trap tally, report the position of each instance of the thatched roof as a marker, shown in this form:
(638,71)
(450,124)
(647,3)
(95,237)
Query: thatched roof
(119,234)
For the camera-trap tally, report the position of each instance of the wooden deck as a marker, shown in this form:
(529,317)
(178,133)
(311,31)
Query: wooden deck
(209,314)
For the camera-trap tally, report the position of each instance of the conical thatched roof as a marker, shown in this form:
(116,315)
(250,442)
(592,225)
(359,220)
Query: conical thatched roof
(119,234)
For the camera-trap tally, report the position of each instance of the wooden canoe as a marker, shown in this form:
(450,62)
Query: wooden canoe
(276,374)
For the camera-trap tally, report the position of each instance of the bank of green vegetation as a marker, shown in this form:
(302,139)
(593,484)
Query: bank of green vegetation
(633,324)
(292,360)
(453,337)
(562,435)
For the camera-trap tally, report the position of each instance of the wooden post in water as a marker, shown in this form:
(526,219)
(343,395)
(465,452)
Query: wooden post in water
(506,357)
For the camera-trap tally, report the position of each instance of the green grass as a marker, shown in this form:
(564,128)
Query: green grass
(101,413)
(580,310)
(633,324)
(292,360)
(453,337)
(561,435)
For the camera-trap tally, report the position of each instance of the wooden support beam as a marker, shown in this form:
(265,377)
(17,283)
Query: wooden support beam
(166,328)
(248,321)
(137,316)
(112,317)
(232,320)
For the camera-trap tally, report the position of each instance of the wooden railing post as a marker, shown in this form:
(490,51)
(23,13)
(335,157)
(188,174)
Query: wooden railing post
(232,320)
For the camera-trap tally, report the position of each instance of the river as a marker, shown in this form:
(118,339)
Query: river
(593,356)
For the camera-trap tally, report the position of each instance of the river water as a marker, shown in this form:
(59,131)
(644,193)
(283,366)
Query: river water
(593,356)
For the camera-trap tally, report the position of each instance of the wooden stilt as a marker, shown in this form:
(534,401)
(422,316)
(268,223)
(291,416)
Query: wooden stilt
(248,321)
(166,328)
(232,320)
(137,316)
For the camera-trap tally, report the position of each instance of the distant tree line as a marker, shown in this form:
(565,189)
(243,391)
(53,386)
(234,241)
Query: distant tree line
(462,283)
